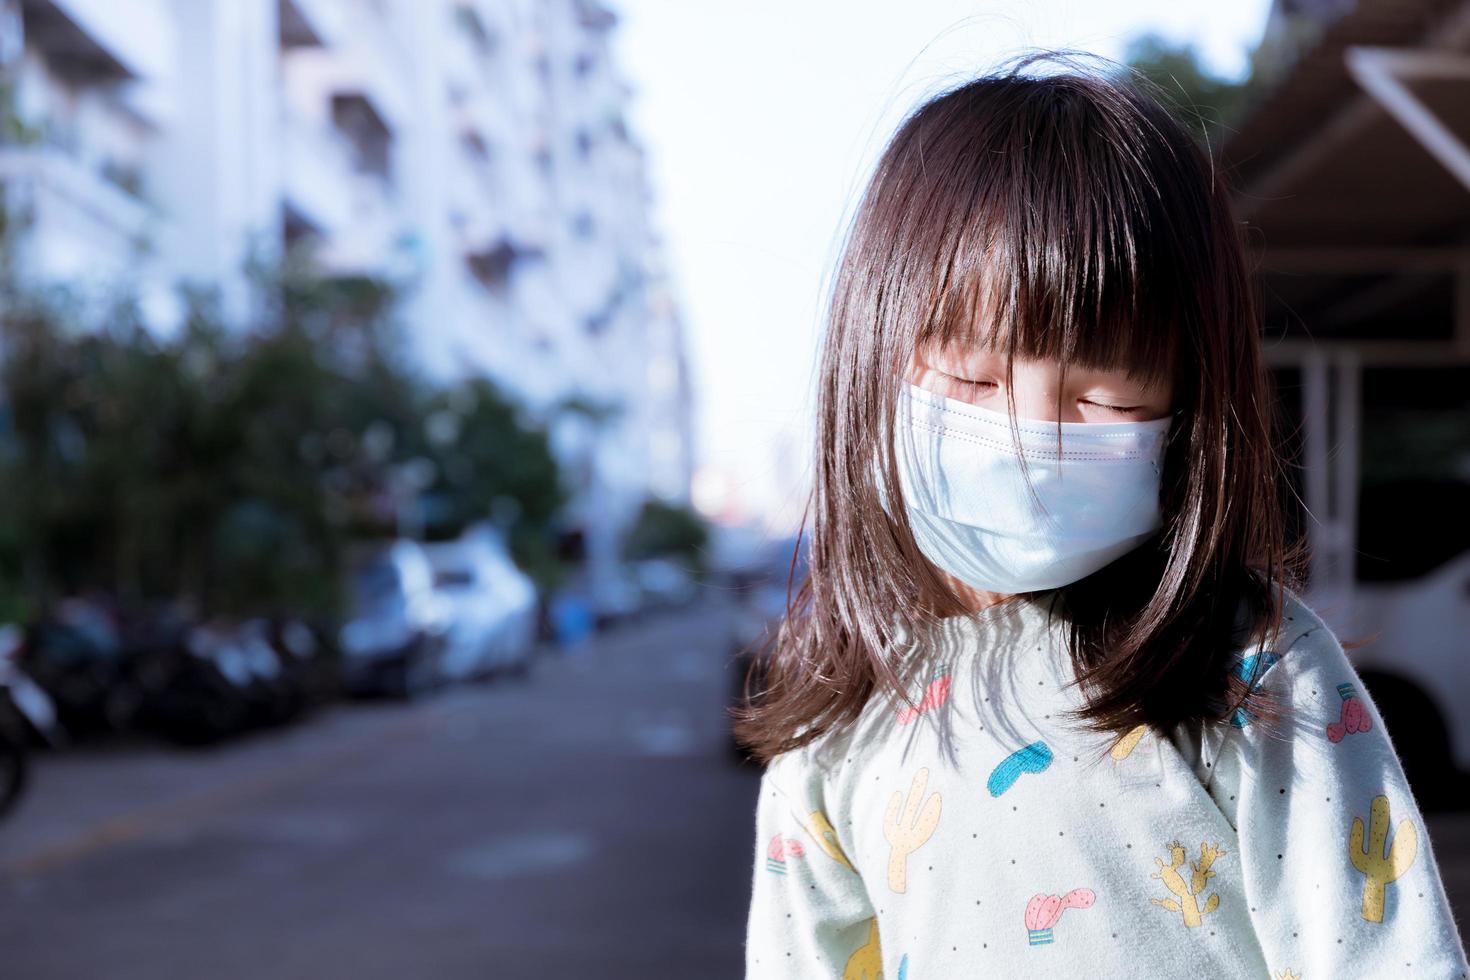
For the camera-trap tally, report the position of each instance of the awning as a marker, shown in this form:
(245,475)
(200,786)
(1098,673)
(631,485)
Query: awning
(1353,174)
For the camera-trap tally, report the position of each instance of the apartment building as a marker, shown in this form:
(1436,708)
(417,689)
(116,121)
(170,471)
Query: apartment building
(474,148)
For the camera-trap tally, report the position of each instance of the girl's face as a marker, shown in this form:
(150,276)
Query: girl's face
(977,375)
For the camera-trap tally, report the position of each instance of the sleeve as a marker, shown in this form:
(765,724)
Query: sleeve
(810,914)
(1338,870)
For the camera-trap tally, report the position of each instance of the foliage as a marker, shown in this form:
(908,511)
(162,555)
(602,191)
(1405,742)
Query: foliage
(230,467)
(1202,98)
(1209,105)
(667,530)
(491,462)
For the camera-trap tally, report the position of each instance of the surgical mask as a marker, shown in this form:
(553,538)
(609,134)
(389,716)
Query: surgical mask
(974,516)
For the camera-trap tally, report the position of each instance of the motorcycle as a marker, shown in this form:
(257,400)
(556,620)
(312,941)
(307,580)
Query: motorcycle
(27,716)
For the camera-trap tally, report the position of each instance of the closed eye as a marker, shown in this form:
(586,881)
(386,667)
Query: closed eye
(967,382)
(970,383)
(1120,409)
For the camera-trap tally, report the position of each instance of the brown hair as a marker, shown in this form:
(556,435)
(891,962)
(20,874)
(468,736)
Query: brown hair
(1082,217)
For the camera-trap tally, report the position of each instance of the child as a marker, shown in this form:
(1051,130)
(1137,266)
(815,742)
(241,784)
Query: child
(1049,703)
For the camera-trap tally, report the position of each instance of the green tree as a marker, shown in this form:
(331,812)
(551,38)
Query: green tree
(229,466)
(494,464)
(665,530)
(1210,105)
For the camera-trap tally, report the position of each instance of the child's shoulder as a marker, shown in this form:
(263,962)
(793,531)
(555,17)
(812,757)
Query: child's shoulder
(1303,668)
(1304,645)
(794,779)
(819,756)
(809,773)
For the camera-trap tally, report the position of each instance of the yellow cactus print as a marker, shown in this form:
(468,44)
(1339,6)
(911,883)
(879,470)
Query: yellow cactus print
(1188,892)
(826,837)
(1382,868)
(1124,748)
(866,962)
(1288,975)
(907,825)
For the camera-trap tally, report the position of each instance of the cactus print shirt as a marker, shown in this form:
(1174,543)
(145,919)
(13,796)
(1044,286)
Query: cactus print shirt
(979,833)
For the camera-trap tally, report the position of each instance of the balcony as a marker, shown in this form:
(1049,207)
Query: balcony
(362,123)
(345,86)
(316,163)
(77,223)
(310,23)
(99,40)
(494,263)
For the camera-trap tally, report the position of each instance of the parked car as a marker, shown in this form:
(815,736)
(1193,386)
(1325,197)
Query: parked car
(491,605)
(245,655)
(198,689)
(309,657)
(78,655)
(394,638)
(665,583)
(615,597)
(103,668)
(1415,669)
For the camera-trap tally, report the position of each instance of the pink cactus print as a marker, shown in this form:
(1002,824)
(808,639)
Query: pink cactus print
(779,850)
(934,696)
(1043,911)
(1354,716)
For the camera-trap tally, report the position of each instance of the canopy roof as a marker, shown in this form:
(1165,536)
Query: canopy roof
(1353,173)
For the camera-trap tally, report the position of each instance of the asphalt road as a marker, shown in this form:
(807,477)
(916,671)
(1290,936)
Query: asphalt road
(584,822)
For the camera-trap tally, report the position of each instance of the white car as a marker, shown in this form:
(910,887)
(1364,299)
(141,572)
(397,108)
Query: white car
(665,583)
(491,605)
(1415,668)
(615,596)
(394,640)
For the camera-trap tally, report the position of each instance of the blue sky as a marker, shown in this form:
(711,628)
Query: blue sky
(761,121)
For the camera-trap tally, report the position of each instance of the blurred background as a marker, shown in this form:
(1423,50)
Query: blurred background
(403,427)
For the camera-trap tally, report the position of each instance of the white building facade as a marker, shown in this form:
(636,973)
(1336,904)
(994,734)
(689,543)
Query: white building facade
(476,148)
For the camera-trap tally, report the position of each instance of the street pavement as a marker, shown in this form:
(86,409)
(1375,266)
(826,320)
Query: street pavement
(587,821)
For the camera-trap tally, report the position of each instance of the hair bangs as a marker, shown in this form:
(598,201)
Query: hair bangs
(1055,320)
(1064,250)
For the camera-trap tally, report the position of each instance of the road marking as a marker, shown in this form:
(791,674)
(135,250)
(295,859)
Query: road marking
(519,854)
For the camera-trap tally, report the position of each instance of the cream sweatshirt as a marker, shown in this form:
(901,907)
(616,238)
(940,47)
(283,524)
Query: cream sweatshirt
(983,836)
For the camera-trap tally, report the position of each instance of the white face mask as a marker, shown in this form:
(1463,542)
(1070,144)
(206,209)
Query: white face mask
(974,516)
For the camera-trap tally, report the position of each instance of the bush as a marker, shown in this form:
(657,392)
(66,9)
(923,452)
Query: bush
(230,467)
(664,530)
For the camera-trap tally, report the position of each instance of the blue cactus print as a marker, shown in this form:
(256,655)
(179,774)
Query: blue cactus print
(1250,670)
(1033,758)
(903,967)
